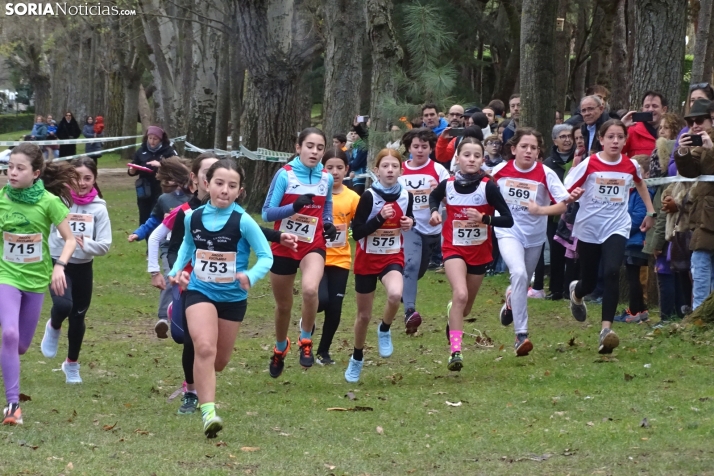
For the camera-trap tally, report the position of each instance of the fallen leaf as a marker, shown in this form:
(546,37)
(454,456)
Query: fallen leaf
(546,373)
(330,466)
(336,409)
(645,423)
(249,449)
(361,409)
(500,349)
(457,404)
(439,393)
(380,430)
(698,323)
(74,414)
(628,377)
(351,396)
(70,466)
(221,443)
(590,423)
(704,399)
(498,358)
(139,431)
(109,427)
(25,398)
(251,413)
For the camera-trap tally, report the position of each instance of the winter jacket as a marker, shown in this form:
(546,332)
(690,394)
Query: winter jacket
(39,131)
(555,162)
(89,148)
(672,168)
(52,128)
(639,140)
(101,240)
(638,211)
(595,146)
(509,131)
(68,130)
(445,149)
(699,161)
(148,179)
(655,239)
(443,124)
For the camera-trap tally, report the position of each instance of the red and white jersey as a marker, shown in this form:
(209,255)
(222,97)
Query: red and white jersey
(383,247)
(307,224)
(518,187)
(603,207)
(467,239)
(420,181)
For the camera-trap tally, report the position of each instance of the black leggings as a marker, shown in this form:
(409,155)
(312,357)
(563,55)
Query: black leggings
(73,305)
(612,251)
(637,300)
(188,354)
(331,293)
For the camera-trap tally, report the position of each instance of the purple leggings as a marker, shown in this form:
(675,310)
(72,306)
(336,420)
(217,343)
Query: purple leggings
(19,314)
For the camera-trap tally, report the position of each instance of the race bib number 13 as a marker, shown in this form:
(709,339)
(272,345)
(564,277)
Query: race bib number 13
(22,249)
(80,225)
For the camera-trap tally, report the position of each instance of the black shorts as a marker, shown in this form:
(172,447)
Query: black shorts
(476,269)
(367,283)
(284,266)
(229,311)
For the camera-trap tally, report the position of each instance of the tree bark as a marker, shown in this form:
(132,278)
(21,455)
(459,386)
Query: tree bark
(115,105)
(144,110)
(709,56)
(279,44)
(578,69)
(621,79)
(223,102)
(701,44)
(705,312)
(237,78)
(602,41)
(344,24)
(537,51)
(659,51)
(387,57)
(562,57)
(508,77)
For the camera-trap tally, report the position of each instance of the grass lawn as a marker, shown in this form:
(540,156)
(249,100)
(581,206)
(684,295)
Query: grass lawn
(562,410)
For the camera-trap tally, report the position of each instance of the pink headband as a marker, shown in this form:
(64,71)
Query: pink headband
(156,131)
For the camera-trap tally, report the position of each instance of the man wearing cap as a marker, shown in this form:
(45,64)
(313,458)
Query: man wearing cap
(692,162)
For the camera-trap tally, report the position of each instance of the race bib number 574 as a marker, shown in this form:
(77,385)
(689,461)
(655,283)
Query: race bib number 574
(303,226)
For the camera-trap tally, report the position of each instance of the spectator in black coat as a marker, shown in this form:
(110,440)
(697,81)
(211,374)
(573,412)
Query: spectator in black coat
(68,129)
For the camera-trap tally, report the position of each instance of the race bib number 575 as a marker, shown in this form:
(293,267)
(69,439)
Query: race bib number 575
(22,249)
(384,241)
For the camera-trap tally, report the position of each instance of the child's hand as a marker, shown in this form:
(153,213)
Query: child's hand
(133,237)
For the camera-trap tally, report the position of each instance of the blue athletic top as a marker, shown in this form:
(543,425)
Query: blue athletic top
(272,211)
(251,236)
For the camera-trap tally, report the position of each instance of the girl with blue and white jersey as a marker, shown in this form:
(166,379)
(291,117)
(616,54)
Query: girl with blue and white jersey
(217,242)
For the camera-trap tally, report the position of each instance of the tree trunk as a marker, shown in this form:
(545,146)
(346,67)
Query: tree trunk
(144,110)
(279,44)
(115,105)
(602,41)
(701,44)
(387,57)
(709,56)
(223,102)
(206,51)
(705,312)
(621,80)
(562,57)
(344,25)
(237,78)
(578,69)
(659,52)
(506,83)
(132,83)
(537,89)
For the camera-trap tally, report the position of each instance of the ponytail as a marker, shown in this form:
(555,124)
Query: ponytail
(59,179)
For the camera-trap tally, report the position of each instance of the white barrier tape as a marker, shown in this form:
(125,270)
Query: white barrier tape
(260,154)
(71,157)
(12,143)
(665,180)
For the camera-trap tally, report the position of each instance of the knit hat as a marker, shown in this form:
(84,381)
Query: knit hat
(156,131)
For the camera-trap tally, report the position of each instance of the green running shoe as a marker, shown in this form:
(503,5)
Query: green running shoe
(456,363)
(211,426)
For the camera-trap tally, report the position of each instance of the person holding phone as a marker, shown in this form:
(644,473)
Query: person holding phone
(693,161)
(643,126)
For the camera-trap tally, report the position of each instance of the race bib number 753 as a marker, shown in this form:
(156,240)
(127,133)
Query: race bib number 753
(215,267)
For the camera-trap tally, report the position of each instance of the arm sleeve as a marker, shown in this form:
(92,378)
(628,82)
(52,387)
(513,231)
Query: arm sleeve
(410,206)
(327,209)
(145,230)
(577,175)
(637,213)
(361,131)
(442,144)
(689,165)
(272,211)
(187,249)
(271,235)
(359,160)
(437,195)
(672,167)
(155,239)
(176,238)
(252,233)
(555,186)
(361,227)
(496,200)
(102,241)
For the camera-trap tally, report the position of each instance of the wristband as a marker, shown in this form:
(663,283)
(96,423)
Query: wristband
(682,151)
(436,209)
(154,273)
(61,263)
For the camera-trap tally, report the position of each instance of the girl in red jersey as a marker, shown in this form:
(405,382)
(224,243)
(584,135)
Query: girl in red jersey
(471,197)
(603,223)
(299,201)
(383,213)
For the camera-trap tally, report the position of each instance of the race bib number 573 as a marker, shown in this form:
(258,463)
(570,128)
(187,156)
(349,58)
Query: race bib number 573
(22,249)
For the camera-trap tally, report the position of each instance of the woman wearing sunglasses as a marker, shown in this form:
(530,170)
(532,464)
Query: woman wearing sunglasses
(695,159)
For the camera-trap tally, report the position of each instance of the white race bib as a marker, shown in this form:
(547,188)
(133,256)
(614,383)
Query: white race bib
(421,199)
(384,241)
(610,190)
(22,249)
(215,267)
(518,192)
(303,226)
(80,225)
(340,238)
(467,233)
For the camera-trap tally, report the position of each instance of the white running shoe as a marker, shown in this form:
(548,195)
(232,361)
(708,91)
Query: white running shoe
(71,370)
(50,340)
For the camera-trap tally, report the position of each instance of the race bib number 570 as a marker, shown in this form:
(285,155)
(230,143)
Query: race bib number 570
(22,249)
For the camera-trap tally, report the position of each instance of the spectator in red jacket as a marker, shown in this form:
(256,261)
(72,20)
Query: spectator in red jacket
(642,136)
(98,126)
